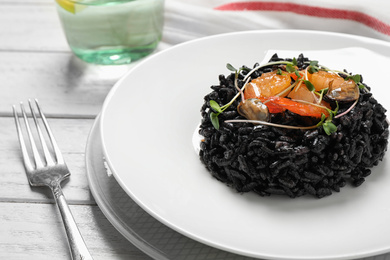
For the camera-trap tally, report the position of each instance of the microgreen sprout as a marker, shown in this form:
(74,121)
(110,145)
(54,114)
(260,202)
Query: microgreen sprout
(309,85)
(348,110)
(271,124)
(230,67)
(321,94)
(218,110)
(313,67)
(216,107)
(267,64)
(290,68)
(327,124)
(294,61)
(357,79)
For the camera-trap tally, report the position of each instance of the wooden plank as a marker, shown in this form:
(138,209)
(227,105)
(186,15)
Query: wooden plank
(71,136)
(35,231)
(31,26)
(65,85)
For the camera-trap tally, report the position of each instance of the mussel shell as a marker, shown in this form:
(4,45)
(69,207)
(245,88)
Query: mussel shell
(254,109)
(347,91)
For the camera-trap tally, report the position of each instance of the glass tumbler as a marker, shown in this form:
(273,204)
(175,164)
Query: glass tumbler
(111,32)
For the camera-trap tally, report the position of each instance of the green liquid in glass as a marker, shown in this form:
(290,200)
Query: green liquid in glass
(113,32)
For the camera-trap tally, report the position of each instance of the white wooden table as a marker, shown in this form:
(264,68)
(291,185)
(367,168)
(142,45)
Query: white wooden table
(36,62)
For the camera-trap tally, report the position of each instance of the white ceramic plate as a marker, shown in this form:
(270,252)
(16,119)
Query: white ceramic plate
(148,123)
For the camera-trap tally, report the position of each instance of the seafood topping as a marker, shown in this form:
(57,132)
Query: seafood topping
(347,91)
(323,79)
(305,92)
(300,108)
(339,89)
(253,109)
(269,84)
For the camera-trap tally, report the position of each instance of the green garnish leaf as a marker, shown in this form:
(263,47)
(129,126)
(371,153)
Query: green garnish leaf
(313,67)
(214,120)
(279,72)
(298,74)
(329,127)
(356,78)
(214,105)
(309,85)
(230,67)
(312,70)
(294,61)
(290,68)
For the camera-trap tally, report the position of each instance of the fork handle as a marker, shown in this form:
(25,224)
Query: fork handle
(77,245)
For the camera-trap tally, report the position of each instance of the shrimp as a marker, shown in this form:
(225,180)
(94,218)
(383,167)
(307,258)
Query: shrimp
(301,92)
(323,79)
(303,109)
(267,85)
(276,104)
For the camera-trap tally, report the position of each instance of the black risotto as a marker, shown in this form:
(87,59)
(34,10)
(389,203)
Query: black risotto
(271,160)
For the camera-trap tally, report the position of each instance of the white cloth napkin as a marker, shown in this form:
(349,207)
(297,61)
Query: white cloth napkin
(189,19)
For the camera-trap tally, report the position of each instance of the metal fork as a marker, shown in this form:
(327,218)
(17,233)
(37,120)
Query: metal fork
(49,171)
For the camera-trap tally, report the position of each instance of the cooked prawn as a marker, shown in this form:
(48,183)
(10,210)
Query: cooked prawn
(301,92)
(267,85)
(273,107)
(300,108)
(323,79)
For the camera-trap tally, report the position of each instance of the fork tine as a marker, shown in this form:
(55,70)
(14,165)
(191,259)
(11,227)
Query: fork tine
(48,157)
(26,158)
(37,158)
(57,151)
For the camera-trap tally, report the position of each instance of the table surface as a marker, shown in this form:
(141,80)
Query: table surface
(36,62)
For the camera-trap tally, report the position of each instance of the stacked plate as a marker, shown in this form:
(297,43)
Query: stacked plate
(162,199)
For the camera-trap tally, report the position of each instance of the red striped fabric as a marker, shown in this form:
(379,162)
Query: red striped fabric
(315,11)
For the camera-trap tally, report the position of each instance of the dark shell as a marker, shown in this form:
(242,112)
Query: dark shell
(253,109)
